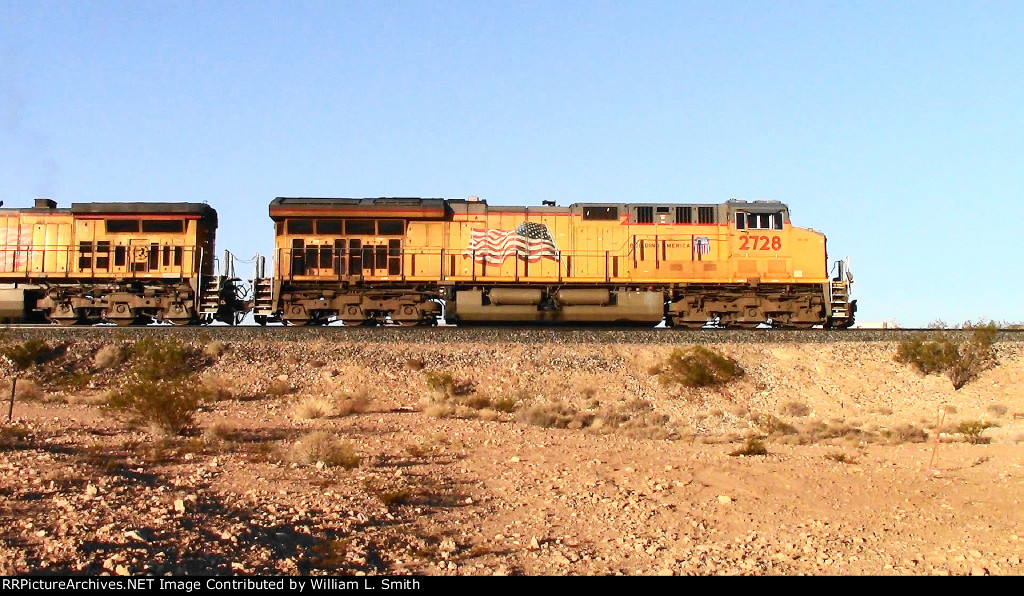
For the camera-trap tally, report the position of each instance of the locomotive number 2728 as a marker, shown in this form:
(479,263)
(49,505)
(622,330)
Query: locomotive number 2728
(760,243)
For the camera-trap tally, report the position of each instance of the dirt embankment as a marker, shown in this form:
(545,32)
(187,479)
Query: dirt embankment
(505,458)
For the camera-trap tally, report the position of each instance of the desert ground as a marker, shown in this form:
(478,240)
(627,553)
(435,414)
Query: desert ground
(340,454)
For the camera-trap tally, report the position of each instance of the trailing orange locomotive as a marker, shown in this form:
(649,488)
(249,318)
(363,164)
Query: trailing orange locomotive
(411,261)
(125,263)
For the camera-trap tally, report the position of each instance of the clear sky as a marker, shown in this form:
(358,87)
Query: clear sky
(894,127)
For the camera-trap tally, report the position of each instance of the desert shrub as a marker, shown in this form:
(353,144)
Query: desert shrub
(771,425)
(218,388)
(109,355)
(28,390)
(939,353)
(752,446)
(554,415)
(26,354)
(698,367)
(997,410)
(449,386)
(215,348)
(840,457)
(506,404)
(414,364)
(352,403)
(905,433)
(316,407)
(322,446)
(279,387)
(795,408)
(157,359)
(13,437)
(219,431)
(972,429)
(167,406)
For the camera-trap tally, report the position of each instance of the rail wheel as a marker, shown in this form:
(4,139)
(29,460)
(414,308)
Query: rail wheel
(121,315)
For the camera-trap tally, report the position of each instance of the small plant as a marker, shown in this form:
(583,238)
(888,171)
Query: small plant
(698,367)
(166,406)
(157,359)
(997,410)
(279,388)
(322,446)
(414,364)
(972,429)
(352,403)
(314,408)
(905,433)
(752,446)
(447,385)
(772,426)
(214,349)
(13,437)
(31,352)
(840,457)
(109,355)
(938,353)
(220,431)
(795,408)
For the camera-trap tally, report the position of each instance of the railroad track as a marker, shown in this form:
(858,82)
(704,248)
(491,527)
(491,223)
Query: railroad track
(490,334)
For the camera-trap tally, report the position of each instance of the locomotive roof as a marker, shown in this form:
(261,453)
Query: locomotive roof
(408,207)
(144,208)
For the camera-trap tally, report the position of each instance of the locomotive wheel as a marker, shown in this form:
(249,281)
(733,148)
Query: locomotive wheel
(297,322)
(260,320)
(181,322)
(64,321)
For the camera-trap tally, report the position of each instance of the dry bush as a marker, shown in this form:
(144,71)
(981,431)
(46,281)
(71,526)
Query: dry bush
(313,408)
(752,446)
(772,426)
(796,409)
(449,386)
(322,446)
(156,359)
(110,355)
(26,390)
(555,415)
(26,354)
(698,367)
(279,388)
(840,457)
(220,431)
(972,429)
(167,406)
(939,353)
(215,348)
(346,403)
(905,433)
(997,410)
(414,364)
(218,388)
(14,437)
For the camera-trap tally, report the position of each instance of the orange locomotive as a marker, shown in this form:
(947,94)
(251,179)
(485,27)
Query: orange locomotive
(408,260)
(123,263)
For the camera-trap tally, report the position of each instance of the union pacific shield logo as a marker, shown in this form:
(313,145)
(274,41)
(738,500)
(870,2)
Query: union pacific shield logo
(530,241)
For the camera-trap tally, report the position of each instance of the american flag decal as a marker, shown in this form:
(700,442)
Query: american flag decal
(701,245)
(530,241)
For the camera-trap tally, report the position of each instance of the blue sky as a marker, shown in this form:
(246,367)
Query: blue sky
(896,128)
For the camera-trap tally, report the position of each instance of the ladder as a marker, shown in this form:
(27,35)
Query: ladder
(263,289)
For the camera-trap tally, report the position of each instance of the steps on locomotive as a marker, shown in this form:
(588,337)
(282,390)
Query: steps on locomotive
(263,295)
(210,299)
